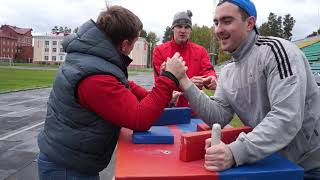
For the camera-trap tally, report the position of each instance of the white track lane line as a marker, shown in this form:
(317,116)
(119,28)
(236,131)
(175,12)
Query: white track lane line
(15,112)
(20,131)
(20,102)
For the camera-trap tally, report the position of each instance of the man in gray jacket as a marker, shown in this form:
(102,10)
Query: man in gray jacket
(270,86)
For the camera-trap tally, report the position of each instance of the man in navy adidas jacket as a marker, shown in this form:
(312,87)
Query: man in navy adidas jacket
(270,86)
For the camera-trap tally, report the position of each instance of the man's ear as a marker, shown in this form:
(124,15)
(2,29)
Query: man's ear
(251,23)
(123,45)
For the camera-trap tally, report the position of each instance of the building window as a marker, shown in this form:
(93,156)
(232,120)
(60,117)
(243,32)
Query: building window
(46,49)
(46,58)
(54,58)
(61,58)
(54,49)
(46,43)
(61,49)
(54,42)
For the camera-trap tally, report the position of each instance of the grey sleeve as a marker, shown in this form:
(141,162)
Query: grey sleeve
(281,124)
(210,109)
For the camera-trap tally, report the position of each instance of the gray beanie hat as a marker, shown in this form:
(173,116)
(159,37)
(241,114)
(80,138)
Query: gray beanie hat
(182,18)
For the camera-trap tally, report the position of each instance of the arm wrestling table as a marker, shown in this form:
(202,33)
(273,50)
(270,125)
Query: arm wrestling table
(161,162)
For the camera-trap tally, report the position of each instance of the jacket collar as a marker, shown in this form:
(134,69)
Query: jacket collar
(92,41)
(126,62)
(126,59)
(245,46)
(179,46)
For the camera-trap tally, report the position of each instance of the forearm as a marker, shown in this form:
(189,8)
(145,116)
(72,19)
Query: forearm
(138,91)
(208,109)
(108,98)
(143,114)
(185,83)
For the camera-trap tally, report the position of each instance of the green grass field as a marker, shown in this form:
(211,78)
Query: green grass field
(19,76)
(12,79)
(19,79)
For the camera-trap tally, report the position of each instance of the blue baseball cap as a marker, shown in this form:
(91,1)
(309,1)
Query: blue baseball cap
(248,7)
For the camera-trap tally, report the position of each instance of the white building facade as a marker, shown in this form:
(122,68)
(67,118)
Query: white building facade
(48,49)
(139,54)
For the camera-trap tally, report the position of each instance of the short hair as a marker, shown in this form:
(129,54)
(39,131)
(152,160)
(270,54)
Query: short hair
(119,24)
(243,13)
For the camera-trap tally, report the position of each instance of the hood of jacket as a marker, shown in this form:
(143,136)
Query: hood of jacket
(91,40)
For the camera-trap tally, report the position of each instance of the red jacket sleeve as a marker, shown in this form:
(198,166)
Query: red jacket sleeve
(109,98)
(137,90)
(157,61)
(206,67)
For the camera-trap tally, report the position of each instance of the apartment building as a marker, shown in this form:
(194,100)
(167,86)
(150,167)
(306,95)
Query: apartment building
(48,48)
(16,43)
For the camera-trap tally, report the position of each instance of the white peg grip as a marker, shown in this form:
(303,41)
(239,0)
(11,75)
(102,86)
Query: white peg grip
(215,134)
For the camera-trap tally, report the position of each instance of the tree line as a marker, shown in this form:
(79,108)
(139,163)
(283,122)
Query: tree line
(277,26)
(60,29)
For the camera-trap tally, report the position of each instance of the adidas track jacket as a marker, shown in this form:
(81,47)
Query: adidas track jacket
(270,86)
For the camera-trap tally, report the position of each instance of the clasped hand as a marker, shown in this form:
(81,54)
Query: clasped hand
(218,157)
(175,65)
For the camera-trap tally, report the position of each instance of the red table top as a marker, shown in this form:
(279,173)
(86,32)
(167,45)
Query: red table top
(156,161)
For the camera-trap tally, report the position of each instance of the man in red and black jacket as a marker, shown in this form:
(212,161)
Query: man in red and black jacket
(92,99)
(200,71)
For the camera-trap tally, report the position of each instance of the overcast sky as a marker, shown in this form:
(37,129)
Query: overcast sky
(43,15)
